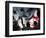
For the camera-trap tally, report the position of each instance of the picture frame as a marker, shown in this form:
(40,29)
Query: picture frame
(12,6)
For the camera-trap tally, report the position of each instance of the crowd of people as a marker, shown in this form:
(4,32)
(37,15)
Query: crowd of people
(26,18)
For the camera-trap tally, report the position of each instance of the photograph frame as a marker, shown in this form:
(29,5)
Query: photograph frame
(7,18)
